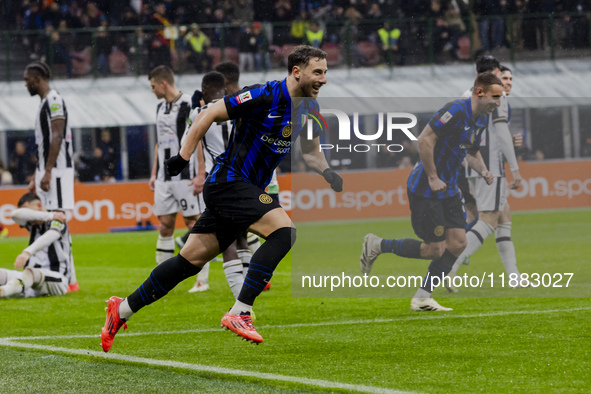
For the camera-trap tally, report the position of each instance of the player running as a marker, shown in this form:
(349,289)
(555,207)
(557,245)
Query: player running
(171,193)
(45,263)
(234,190)
(213,144)
(437,212)
(54,177)
(248,243)
(494,214)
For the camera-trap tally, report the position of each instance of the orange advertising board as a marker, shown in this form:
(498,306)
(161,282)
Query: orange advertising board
(307,197)
(98,207)
(378,194)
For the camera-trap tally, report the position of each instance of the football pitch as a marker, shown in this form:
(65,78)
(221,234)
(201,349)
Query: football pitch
(511,344)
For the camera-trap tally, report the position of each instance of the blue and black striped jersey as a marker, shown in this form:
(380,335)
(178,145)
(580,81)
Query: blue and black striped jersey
(457,132)
(262,134)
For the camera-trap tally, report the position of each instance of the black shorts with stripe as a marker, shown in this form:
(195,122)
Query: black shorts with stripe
(231,208)
(430,217)
(465,187)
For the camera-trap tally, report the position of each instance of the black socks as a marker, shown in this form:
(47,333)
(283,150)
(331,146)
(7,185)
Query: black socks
(161,280)
(406,247)
(264,262)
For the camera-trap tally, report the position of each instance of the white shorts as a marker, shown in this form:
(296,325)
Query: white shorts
(53,283)
(61,189)
(172,196)
(491,197)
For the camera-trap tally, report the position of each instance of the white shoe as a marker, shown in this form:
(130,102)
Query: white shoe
(179,242)
(369,253)
(198,287)
(448,284)
(12,287)
(426,304)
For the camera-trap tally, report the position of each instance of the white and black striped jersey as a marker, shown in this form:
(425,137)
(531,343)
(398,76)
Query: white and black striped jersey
(57,256)
(52,107)
(490,148)
(171,119)
(215,141)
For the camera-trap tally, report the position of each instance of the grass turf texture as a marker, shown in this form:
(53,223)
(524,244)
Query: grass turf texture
(485,344)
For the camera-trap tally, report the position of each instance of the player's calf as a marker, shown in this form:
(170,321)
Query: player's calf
(263,263)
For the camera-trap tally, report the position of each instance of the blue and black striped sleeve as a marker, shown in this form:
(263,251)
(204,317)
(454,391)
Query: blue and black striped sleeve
(314,109)
(448,119)
(247,102)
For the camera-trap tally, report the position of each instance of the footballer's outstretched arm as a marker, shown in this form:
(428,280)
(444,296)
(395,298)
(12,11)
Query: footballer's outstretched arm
(506,144)
(23,215)
(312,154)
(199,179)
(49,237)
(217,112)
(58,126)
(475,161)
(427,141)
(316,160)
(153,174)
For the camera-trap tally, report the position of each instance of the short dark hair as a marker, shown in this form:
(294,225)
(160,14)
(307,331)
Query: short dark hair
(161,73)
(230,71)
(301,55)
(486,63)
(505,68)
(26,198)
(40,68)
(214,79)
(486,80)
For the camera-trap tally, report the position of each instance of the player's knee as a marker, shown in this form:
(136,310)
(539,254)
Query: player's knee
(166,230)
(286,236)
(35,274)
(457,246)
(435,250)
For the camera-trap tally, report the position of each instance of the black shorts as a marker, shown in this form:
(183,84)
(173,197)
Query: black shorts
(231,207)
(465,187)
(430,217)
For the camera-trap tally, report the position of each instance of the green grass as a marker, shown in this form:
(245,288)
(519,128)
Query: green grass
(489,344)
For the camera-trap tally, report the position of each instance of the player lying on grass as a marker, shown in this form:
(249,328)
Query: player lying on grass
(234,190)
(47,258)
(437,211)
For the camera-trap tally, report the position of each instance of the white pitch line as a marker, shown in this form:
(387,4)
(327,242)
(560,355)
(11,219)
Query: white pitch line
(205,368)
(421,317)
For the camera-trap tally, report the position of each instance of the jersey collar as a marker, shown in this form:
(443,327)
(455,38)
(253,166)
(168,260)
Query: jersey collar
(285,91)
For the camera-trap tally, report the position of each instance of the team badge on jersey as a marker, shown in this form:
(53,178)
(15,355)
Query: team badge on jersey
(439,231)
(445,118)
(286,132)
(55,107)
(265,199)
(244,97)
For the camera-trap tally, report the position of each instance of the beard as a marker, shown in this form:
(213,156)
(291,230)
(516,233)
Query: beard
(309,90)
(32,90)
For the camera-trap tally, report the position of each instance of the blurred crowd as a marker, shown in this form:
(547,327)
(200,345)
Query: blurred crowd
(181,33)
(101,165)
